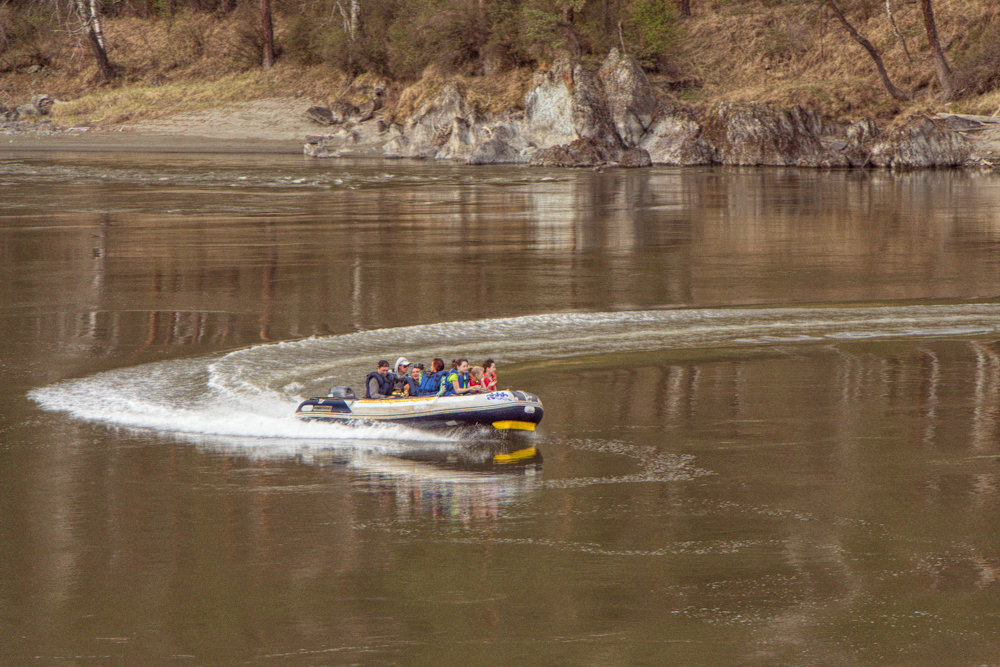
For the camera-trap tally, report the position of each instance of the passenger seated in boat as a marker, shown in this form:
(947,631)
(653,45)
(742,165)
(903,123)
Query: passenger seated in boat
(457,381)
(433,381)
(401,378)
(489,375)
(413,381)
(476,376)
(379,382)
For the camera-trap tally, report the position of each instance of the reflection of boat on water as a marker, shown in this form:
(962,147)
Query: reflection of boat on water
(503,410)
(507,456)
(474,481)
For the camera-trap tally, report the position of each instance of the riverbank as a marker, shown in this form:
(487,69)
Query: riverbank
(281,125)
(753,84)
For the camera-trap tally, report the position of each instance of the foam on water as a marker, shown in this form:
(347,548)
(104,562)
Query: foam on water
(252,392)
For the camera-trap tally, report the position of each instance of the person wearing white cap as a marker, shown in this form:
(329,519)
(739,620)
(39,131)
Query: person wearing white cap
(400,381)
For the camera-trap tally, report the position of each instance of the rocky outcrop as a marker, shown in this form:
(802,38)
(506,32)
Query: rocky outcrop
(578,153)
(577,117)
(674,138)
(548,107)
(761,135)
(630,99)
(635,157)
(496,151)
(920,143)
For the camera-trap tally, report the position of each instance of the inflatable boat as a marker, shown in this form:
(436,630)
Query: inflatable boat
(503,410)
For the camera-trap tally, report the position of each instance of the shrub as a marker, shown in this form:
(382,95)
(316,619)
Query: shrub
(652,30)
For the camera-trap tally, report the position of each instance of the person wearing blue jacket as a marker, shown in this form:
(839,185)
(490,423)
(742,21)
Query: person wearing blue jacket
(431,384)
(457,382)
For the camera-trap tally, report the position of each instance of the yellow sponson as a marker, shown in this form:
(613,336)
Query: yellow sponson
(527,453)
(514,424)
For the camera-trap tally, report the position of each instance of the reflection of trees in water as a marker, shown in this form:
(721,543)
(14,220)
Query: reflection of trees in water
(381,256)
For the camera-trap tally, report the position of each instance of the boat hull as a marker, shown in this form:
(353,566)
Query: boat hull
(503,410)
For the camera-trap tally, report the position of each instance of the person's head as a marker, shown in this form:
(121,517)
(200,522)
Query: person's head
(402,364)
(489,366)
(477,372)
(383,367)
(416,370)
(437,365)
(462,365)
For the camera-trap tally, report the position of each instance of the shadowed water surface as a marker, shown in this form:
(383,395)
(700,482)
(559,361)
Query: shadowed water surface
(772,405)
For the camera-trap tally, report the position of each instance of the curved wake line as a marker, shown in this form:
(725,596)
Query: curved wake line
(252,392)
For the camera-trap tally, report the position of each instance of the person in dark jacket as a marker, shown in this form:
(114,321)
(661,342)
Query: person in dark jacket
(379,382)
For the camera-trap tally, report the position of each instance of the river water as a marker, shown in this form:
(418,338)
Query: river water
(772,409)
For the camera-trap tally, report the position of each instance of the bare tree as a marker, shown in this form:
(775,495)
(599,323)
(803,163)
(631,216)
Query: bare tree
(352,18)
(940,64)
(872,51)
(267,33)
(90,19)
(895,29)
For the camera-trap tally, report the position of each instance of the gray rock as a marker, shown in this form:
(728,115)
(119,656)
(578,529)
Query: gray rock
(579,153)
(758,134)
(674,138)
(548,106)
(591,118)
(630,99)
(321,115)
(920,143)
(39,106)
(635,157)
(496,151)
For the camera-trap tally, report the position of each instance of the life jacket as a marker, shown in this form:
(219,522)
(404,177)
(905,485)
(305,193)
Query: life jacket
(463,382)
(490,381)
(385,383)
(431,383)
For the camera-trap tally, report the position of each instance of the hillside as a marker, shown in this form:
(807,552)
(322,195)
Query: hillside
(785,52)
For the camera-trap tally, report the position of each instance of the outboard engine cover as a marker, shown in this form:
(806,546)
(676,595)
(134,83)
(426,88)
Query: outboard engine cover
(345,393)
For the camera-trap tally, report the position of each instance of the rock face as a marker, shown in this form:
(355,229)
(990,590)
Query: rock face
(760,135)
(548,106)
(495,151)
(921,143)
(630,98)
(579,153)
(577,117)
(674,138)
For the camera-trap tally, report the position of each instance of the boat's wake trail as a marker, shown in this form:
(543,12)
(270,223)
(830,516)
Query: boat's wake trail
(251,393)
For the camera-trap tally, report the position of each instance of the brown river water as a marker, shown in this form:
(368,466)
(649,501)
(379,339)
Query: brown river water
(772,410)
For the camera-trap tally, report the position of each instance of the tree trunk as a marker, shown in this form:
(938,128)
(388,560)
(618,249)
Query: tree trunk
(940,64)
(267,32)
(860,39)
(90,19)
(685,6)
(895,29)
(355,24)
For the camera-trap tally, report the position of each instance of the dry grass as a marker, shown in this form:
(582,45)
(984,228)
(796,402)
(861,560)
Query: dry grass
(798,53)
(781,52)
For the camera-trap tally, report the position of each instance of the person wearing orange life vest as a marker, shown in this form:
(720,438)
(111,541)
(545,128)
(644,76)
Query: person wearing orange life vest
(489,375)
